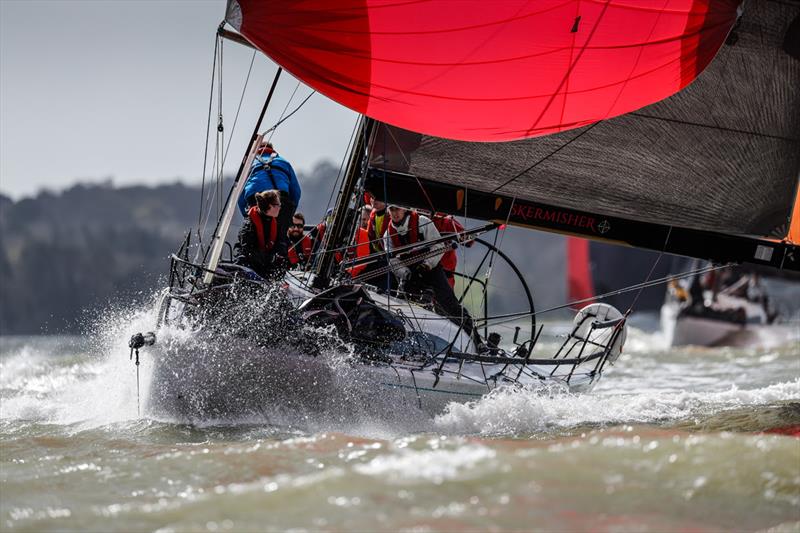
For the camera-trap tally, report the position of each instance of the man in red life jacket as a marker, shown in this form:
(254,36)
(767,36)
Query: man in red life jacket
(446,225)
(360,248)
(376,229)
(300,244)
(366,213)
(408,227)
(258,245)
(376,225)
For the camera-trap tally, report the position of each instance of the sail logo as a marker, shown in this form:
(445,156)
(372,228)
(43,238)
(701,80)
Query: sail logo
(531,214)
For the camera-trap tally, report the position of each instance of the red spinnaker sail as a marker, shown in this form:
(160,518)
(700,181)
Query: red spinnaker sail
(489,71)
(579,273)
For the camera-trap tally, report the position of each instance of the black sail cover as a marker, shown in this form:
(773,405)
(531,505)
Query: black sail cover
(721,157)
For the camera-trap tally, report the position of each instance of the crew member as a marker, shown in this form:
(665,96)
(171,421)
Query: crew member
(407,227)
(257,246)
(366,213)
(446,225)
(376,229)
(300,244)
(270,171)
(376,225)
(362,247)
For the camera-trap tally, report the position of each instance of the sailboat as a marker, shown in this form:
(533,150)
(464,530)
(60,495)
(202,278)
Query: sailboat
(672,128)
(737,307)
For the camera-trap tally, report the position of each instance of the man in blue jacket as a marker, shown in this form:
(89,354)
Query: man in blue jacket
(271,171)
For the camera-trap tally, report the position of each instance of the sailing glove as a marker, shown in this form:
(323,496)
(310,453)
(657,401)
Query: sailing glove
(402,273)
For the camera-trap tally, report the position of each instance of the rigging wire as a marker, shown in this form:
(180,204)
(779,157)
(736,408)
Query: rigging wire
(281,119)
(203,224)
(208,128)
(341,163)
(659,281)
(289,101)
(220,131)
(387,217)
(510,317)
(239,108)
(287,117)
(339,175)
(346,199)
(483,298)
(497,246)
(548,156)
(419,184)
(311,264)
(652,269)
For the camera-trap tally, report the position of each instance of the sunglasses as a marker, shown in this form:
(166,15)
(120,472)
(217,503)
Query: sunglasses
(275,205)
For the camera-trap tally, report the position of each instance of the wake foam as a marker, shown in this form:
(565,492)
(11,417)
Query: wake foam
(94,384)
(86,380)
(516,411)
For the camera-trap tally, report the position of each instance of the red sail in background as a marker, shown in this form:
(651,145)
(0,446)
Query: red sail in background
(794,227)
(489,71)
(579,273)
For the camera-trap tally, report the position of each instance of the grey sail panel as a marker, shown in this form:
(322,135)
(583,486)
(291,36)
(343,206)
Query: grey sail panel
(723,155)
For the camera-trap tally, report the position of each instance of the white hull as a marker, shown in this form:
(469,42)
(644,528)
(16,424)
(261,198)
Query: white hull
(227,384)
(204,378)
(706,332)
(689,330)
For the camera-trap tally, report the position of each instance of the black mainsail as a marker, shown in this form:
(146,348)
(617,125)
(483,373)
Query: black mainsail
(709,172)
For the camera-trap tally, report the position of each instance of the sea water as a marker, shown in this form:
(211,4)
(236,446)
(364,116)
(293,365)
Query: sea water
(684,439)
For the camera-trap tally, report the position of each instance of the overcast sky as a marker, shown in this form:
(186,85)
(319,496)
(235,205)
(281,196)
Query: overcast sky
(92,90)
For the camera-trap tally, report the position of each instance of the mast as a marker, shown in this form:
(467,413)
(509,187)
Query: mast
(224,222)
(345,204)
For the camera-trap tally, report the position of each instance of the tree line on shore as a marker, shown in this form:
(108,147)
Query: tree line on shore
(67,256)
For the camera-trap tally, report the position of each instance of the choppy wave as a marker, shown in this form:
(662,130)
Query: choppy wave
(632,478)
(94,391)
(65,380)
(671,440)
(90,381)
(513,412)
